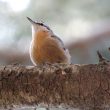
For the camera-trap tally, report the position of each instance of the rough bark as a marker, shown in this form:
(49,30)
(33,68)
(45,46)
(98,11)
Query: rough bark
(78,86)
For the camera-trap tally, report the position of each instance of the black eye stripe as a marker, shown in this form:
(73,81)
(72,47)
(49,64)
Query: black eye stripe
(47,27)
(43,25)
(40,23)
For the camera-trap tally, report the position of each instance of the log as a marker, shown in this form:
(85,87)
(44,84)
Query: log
(77,86)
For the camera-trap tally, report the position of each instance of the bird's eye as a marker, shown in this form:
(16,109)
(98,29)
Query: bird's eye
(40,24)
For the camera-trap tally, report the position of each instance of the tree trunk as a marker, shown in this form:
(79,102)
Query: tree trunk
(78,86)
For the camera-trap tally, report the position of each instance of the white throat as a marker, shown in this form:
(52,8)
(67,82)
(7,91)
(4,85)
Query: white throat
(36,28)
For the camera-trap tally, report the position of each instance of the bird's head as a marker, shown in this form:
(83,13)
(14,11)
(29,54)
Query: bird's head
(39,28)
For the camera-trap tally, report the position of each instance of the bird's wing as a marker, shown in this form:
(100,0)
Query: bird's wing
(63,47)
(59,41)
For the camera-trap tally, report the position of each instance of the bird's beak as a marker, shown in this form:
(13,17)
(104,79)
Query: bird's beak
(33,22)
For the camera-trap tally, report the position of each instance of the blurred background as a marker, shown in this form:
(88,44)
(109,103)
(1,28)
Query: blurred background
(83,25)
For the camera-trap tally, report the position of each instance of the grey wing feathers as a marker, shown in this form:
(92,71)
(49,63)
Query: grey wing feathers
(59,40)
(66,51)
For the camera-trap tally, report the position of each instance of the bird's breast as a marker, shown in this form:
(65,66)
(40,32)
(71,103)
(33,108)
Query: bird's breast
(47,50)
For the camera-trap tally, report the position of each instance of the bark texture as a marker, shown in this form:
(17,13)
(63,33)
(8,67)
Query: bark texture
(79,86)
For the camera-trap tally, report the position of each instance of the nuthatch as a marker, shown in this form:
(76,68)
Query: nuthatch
(46,47)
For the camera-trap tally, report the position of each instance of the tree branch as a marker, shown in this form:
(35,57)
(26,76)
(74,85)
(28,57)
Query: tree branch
(79,86)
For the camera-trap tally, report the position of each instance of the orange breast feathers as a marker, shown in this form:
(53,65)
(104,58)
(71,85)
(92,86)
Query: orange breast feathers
(45,48)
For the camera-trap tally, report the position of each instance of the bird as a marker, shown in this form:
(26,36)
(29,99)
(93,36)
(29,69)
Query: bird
(46,47)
